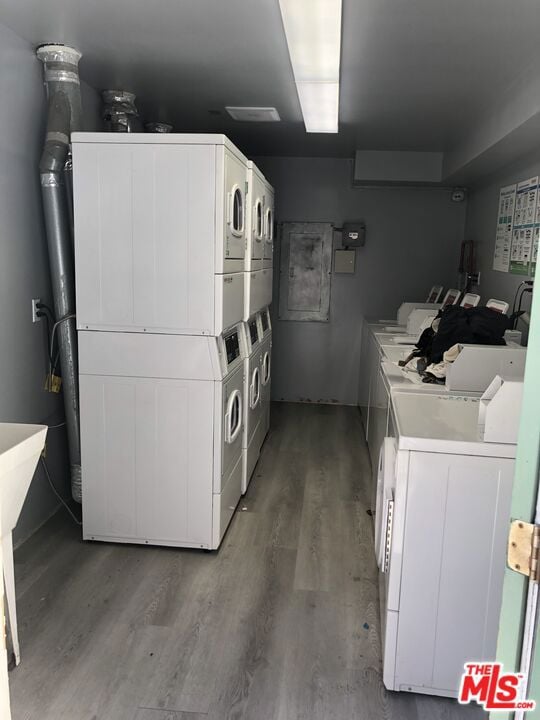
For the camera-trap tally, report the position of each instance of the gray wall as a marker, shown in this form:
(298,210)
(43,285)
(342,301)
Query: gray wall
(413,241)
(481,224)
(24,267)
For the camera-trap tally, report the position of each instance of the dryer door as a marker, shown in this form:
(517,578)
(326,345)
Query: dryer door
(233,417)
(257,224)
(266,368)
(235,198)
(255,388)
(385,502)
(269,233)
(233,421)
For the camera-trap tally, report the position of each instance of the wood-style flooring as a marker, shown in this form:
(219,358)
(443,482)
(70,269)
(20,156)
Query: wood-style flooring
(282,623)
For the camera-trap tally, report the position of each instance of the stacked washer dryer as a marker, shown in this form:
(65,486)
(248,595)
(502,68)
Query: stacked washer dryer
(257,295)
(160,241)
(258,258)
(251,444)
(265,324)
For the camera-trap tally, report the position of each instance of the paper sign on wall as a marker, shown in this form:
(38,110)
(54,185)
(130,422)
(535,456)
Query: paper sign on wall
(525,217)
(536,236)
(503,239)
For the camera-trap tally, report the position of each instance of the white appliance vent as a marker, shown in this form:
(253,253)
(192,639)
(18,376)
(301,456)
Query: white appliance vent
(254,114)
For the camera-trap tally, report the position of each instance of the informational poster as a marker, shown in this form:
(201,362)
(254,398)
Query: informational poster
(536,237)
(534,254)
(503,239)
(525,216)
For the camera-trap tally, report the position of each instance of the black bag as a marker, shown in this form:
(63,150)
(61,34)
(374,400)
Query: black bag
(477,326)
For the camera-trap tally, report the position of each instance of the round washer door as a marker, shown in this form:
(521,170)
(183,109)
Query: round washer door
(258,220)
(268,232)
(233,417)
(236,211)
(255,389)
(266,368)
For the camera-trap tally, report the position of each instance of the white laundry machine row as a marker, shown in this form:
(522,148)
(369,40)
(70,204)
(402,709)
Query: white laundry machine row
(259,247)
(441,526)
(251,445)
(160,232)
(162,420)
(376,332)
(472,372)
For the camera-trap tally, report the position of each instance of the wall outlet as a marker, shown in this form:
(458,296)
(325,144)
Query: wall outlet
(35,317)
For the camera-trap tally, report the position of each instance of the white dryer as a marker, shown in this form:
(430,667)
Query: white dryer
(252,400)
(265,330)
(269,226)
(257,279)
(161,436)
(255,220)
(160,232)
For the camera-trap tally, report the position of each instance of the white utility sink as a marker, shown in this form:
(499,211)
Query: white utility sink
(20,448)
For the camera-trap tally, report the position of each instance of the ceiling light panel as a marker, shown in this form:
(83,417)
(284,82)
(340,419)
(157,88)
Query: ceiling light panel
(320,106)
(313,32)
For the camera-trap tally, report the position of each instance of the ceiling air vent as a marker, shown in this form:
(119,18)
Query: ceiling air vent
(254,114)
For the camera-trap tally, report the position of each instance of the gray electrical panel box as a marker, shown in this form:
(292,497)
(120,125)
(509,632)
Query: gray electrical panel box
(344,261)
(305,271)
(354,234)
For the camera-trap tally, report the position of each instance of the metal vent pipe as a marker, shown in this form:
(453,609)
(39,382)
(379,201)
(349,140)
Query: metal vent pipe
(158,127)
(64,117)
(120,113)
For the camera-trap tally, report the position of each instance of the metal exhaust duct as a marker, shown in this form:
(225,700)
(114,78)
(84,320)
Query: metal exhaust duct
(120,113)
(158,127)
(64,117)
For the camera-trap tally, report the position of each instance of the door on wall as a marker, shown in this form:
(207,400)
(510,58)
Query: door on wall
(305,267)
(519,643)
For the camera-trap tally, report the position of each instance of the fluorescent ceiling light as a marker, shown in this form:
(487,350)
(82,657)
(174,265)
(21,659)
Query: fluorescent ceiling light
(320,106)
(313,32)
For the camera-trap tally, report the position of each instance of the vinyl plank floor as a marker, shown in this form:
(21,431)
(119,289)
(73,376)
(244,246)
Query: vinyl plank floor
(282,623)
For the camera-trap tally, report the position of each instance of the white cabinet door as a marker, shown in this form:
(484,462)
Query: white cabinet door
(454,541)
(147,457)
(145,237)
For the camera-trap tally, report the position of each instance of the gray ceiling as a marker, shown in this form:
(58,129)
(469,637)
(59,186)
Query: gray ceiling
(415,73)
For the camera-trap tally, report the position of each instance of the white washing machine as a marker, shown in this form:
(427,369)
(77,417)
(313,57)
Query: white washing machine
(443,504)
(258,273)
(160,232)
(161,436)
(252,400)
(269,226)
(265,331)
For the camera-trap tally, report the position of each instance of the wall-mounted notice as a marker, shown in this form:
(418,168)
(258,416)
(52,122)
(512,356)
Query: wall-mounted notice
(534,254)
(503,240)
(536,236)
(525,215)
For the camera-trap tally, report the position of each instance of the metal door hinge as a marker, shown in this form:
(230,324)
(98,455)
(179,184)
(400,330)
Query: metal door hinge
(524,549)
